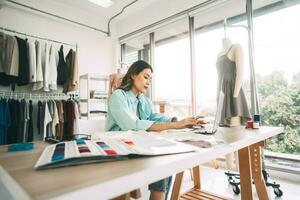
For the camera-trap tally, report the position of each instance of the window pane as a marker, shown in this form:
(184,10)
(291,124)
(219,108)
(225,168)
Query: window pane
(136,49)
(172,80)
(277,47)
(208,47)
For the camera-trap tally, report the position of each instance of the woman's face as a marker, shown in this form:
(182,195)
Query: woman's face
(142,81)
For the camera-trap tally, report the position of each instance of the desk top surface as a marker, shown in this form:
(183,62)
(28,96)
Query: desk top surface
(107,180)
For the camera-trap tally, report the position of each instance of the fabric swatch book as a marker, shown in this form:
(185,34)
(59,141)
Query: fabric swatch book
(107,149)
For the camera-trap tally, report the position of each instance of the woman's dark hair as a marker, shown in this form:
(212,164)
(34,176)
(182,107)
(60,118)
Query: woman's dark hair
(134,69)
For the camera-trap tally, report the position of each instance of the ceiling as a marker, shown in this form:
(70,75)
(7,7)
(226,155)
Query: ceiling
(84,11)
(86,6)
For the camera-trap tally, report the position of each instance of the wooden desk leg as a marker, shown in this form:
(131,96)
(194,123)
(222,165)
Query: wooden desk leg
(245,174)
(256,166)
(136,194)
(123,197)
(197,181)
(178,182)
(177,186)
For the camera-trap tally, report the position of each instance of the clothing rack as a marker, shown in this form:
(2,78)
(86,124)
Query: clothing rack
(37,37)
(39,96)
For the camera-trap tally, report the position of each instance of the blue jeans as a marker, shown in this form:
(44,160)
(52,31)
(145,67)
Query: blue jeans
(162,186)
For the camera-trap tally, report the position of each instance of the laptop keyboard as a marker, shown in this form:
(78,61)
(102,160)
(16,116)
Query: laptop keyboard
(208,130)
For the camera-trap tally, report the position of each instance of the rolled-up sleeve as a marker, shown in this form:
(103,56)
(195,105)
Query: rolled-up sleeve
(157,117)
(123,116)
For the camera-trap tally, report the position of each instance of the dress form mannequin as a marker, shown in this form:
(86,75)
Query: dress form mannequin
(234,53)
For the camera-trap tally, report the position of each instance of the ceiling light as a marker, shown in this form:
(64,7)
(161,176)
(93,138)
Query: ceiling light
(103,3)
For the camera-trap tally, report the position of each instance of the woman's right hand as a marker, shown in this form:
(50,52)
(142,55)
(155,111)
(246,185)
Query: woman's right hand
(185,123)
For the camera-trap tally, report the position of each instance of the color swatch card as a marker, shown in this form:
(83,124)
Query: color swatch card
(107,149)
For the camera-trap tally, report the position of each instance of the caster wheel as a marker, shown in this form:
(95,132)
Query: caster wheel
(229,179)
(236,189)
(278,192)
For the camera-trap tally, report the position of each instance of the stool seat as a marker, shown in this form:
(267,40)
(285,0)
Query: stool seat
(196,194)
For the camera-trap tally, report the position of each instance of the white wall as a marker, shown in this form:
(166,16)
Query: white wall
(96,52)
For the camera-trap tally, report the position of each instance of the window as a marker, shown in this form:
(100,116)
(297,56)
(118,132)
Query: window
(172,79)
(276,62)
(277,65)
(136,49)
(208,45)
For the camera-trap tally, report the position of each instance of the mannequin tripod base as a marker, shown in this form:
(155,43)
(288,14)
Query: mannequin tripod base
(234,180)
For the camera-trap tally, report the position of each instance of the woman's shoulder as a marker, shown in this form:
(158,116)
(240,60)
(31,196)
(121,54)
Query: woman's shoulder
(118,93)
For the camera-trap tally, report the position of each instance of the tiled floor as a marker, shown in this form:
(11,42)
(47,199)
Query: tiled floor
(214,181)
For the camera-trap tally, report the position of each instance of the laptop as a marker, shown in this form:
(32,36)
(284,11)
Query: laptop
(209,130)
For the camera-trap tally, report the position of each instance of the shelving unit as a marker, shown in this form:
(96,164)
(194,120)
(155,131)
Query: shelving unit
(99,97)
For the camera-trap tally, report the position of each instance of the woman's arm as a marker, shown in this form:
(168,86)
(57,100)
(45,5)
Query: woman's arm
(185,123)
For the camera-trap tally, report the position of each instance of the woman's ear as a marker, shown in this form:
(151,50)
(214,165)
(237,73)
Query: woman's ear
(132,77)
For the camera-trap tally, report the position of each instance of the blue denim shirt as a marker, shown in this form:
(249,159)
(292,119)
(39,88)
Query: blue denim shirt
(122,109)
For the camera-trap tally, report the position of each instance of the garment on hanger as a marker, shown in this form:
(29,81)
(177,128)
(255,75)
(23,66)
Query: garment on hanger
(46,68)
(9,55)
(40,116)
(232,107)
(49,131)
(23,77)
(62,71)
(9,60)
(60,125)
(68,68)
(72,65)
(5,120)
(38,84)
(13,129)
(32,61)
(46,119)
(69,117)
(30,123)
(76,118)
(52,69)
(24,120)
(55,120)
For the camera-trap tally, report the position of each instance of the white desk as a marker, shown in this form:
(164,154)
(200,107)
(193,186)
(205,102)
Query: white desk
(108,180)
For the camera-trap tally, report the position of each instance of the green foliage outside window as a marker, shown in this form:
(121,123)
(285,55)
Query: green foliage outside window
(280,106)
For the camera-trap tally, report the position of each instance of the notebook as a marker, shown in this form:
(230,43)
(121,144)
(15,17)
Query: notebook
(107,149)
(209,130)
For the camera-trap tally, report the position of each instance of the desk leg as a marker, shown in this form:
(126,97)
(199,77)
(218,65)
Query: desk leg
(177,186)
(123,197)
(197,180)
(256,166)
(245,174)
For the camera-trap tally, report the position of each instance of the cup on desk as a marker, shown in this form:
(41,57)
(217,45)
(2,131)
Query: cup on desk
(231,134)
